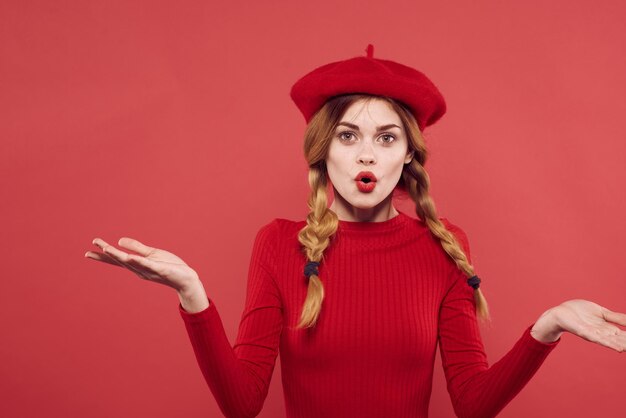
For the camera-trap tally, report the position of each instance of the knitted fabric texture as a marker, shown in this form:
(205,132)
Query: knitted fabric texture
(392,296)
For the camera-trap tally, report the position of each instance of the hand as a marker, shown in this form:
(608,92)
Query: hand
(588,320)
(149,263)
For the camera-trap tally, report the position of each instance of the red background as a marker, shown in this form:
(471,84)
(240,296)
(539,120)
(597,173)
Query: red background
(170,122)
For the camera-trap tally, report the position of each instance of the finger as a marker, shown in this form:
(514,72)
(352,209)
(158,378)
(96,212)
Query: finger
(146,264)
(110,253)
(99,242)
(113,252)
(110,260)
(138,271)
(608,336)
(615,341)
(136,246)
(615,317)
(101,257)
(114,256)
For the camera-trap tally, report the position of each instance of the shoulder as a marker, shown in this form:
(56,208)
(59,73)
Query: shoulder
(452,227)
(458,233)
(280,228)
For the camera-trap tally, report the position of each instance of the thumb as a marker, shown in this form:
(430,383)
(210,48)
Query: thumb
(615,317)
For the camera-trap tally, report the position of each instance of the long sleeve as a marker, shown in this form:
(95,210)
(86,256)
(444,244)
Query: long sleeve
(477,390)
(239,376)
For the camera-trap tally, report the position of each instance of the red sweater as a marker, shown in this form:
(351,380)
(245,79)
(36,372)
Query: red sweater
(391,295)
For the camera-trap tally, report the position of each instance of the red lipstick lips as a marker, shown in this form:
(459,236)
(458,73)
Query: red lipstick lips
(365,181)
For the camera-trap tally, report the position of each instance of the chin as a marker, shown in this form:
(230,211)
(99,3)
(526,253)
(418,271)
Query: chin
(363,206)
(365,203)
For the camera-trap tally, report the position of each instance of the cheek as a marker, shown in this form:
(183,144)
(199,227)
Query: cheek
(334,173)
(337,161)
(393,165)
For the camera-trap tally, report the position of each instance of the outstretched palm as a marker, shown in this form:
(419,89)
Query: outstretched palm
(149,263)
(592,322)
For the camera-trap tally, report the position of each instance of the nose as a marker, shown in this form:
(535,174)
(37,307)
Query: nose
(366,160)
(366,155)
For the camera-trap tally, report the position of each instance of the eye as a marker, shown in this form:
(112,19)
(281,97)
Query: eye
(348,135)
(391,138)
(341,135)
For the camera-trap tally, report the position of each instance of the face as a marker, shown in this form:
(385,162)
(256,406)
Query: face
(369,138)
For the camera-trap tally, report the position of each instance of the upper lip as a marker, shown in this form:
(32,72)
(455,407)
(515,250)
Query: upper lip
(367,174)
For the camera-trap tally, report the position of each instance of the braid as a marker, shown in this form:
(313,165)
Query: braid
(417,183)
(321,225)
(322,222)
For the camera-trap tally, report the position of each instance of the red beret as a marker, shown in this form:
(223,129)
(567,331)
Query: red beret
(374,76)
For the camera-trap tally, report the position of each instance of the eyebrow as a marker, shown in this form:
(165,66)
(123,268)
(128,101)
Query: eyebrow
(379,128)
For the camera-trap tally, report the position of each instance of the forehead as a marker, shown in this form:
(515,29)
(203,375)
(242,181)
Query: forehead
(375,110)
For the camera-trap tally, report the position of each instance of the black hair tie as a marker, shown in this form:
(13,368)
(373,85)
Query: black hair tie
(474,281)
(311,268)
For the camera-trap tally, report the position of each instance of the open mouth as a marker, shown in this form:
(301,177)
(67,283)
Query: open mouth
(365,181)
(366,177)
(366,184)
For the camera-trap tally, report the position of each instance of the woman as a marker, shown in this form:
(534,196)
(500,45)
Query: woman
(358,335)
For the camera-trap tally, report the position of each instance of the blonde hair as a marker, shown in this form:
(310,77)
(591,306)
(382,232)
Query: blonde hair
(322,222)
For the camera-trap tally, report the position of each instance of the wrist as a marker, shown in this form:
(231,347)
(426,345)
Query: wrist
(547,329)
(190,288)
(193,298)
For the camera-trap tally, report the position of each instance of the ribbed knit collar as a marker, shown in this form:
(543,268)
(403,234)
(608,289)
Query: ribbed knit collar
(396,222)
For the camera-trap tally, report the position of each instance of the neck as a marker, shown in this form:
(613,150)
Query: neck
(379,213)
